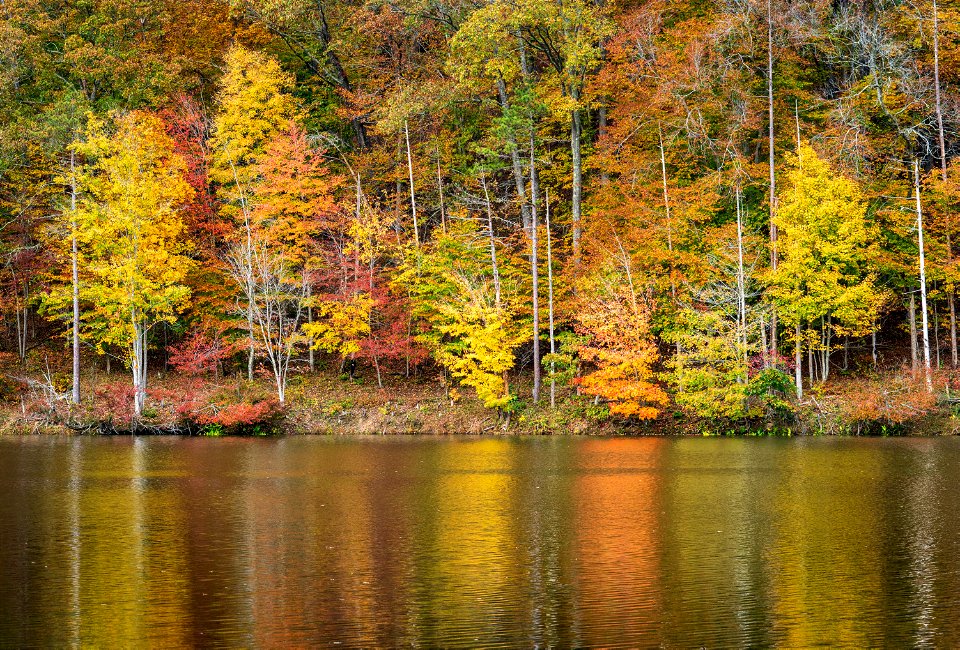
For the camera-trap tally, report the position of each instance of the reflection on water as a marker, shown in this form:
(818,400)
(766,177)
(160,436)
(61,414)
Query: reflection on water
(459,542)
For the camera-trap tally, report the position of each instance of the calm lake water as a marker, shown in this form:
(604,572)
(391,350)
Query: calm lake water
(459,542)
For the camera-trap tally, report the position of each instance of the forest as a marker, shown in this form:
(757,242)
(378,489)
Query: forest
(546,215)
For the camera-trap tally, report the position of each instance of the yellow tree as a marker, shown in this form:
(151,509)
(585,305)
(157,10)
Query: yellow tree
(823,284)
(130,229)
(253,108)
(469,307)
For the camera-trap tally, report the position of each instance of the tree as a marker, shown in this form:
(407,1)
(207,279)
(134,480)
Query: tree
(469,308)
(253,108)
(824,280)
(276,293)
(618,344)
(128,224)
(274,263)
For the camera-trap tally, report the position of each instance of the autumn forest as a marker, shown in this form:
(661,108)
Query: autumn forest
(441,215)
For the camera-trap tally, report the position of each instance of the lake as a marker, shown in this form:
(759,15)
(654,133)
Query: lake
(511,542)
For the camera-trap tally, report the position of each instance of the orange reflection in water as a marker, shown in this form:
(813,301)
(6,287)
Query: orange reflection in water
(617,496)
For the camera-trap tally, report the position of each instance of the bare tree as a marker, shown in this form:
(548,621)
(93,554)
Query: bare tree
(276,299)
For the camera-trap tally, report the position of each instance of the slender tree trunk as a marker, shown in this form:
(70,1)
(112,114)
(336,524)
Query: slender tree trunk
(310,354)
(534,271)
(942,141)
(953,327)
(666,206)
(773,178)
(495,268)
(515,158)
(601,132)
(75,279)
(577,190)
(443,216)
(914,353)
(923,279)
(741,284)
(798,363)
(553,350)
(827,343)
(493,247)
(413,197)
(873,345)
(936,333)
(763,337)
(138,366)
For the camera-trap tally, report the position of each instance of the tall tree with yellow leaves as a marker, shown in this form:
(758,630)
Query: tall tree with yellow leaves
(823,284)
(253,108)
(129,226)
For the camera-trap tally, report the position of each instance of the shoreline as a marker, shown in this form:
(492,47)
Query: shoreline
(324,404)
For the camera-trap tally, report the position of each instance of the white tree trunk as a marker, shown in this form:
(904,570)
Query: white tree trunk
(923,279)
(534,272)
(798,363)
(741,287)
(413,196)
(773,178)
(553,350)
(493,247)
(75,279)
(138,364)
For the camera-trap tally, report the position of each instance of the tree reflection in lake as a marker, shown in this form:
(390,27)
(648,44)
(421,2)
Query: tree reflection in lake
(492,541)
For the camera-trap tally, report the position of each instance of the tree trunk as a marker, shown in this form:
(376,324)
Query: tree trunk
(493,247)
(443,216)
(515,159)
(138,366)
(914,353)
(577,190)
(773,178)
(827,337)
(953,329)
(75,279)
(798,363)
(553,350)
(534,271)
(601,132)
(413,197)
(943,173)
(310,355)
(741,287)
(923,279)
(936,333)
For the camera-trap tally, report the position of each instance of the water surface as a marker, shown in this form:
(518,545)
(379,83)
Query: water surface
(494,541)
